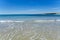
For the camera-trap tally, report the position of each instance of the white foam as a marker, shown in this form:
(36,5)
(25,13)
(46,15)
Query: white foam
(58,20)
(44,21)
(9,21)
(6,21)
(19,21)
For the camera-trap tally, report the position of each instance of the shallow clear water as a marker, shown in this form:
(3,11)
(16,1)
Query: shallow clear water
(29,28)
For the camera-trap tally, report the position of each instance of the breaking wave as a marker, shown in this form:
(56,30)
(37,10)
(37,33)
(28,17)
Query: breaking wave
(33,20)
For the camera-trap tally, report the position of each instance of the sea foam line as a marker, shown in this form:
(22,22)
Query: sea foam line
(57,20)
(9,21)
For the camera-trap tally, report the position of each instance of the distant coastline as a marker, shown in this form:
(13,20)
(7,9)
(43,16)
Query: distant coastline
(46,14)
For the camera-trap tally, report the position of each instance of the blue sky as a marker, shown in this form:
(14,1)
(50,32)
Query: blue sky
(29,6)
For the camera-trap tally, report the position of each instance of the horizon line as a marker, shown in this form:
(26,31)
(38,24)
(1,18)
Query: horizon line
(45,14)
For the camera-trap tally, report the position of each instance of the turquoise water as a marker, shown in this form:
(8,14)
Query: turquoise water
(29,17)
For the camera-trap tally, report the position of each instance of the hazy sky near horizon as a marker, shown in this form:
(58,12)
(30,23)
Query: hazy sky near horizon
(29,6)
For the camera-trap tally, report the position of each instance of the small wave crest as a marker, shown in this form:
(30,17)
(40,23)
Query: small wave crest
(10,21)
(57,20)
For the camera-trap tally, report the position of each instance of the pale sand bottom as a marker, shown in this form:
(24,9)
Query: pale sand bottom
(30,30)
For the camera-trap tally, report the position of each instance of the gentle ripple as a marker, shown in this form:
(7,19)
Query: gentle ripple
(30,30)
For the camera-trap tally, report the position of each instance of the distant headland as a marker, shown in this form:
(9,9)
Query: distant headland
(45,14)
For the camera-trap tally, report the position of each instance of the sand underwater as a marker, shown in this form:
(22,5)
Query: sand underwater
(30,30)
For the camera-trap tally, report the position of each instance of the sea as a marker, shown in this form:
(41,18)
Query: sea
(28,17)
(29,27)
